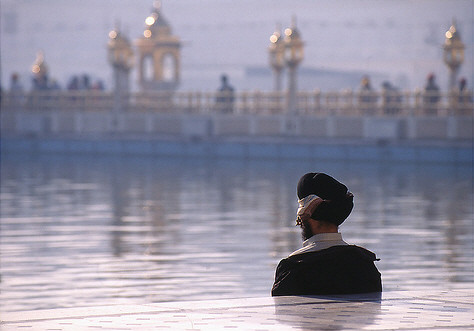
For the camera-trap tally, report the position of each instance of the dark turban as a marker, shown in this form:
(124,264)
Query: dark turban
(337,201)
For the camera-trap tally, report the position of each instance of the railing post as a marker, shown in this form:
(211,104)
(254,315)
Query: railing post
(347,108)
(317,101)
(245,106)
(418,103)
(199,108)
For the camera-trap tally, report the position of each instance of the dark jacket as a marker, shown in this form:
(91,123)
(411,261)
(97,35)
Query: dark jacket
(336,270)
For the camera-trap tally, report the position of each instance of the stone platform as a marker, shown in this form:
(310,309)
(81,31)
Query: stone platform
(403,310)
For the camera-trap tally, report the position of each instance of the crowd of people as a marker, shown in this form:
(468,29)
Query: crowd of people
(84,83)
(459,98)
(43,83)
(392,99)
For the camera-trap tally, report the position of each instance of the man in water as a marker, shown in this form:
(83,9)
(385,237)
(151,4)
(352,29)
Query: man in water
(325,264)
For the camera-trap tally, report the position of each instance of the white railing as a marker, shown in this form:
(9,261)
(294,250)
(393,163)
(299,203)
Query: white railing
(316,103)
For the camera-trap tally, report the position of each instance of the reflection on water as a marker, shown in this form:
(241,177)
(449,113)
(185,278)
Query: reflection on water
(343,312)
(81,231)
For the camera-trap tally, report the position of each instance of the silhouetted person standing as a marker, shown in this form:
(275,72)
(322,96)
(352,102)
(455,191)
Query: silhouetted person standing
(367,97)
(225,96)
(326,264)
(16,90)
(392,99)
(464,98)
(432,95)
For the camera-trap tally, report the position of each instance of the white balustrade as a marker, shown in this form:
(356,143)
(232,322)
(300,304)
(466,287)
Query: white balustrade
(310,103)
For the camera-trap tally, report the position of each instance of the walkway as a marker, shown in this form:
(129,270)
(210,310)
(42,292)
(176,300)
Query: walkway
(403,310)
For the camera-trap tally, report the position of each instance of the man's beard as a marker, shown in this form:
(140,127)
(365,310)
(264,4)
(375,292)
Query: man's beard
(306,231)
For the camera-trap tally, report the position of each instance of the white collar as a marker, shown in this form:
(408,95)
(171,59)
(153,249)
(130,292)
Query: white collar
(319,242)
(322,237)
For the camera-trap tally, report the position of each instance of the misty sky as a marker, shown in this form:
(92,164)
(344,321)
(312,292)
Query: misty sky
(398,40)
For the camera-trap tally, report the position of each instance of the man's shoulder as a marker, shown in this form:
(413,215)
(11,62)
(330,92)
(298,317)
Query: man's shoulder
(335,270)
(334,252)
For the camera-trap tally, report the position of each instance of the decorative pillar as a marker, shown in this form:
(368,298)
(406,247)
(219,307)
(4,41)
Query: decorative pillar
(453,53)
(293,57)
(40,73)
(276,51)
(120,56)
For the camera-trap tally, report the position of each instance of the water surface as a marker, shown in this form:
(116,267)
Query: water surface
(92,230)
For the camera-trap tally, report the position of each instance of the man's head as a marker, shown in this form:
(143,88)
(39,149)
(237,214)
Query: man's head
(224,79)
(322,199)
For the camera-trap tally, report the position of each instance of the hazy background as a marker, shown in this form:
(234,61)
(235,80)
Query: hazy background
(394,40)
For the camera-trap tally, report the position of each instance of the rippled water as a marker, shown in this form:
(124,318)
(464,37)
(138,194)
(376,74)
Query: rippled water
(82,230)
